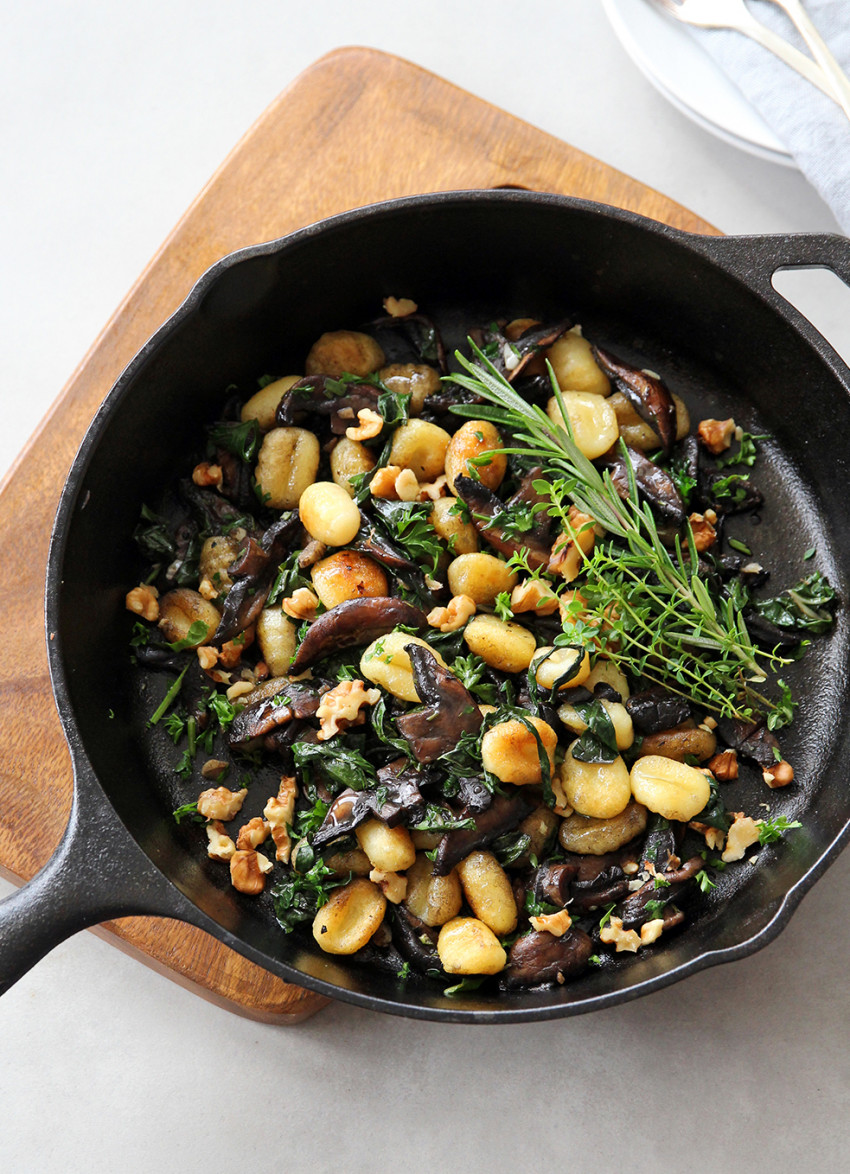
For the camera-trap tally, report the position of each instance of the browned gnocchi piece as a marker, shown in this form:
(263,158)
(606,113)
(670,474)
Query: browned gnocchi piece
(263,405)
(287,463)
(433,899)
(681,742)
(350,458)
(417,380)
(476,440)
(351,916)
(389,849)
(601,790)
(480,576)
(468,946)
(448,520)
(672,789)
(502,644)
(180,609)
(511,750)
(347,574)
(488,892)
(276,634)
(574,365)
(341,352)
(420,447)
(588,836)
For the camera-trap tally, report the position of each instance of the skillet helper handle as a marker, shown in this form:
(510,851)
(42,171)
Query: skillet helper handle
(755,259)
(96,873)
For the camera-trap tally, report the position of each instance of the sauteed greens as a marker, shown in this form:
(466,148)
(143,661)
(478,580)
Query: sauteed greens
(489,630)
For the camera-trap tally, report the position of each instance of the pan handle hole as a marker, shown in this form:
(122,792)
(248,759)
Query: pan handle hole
(822,297)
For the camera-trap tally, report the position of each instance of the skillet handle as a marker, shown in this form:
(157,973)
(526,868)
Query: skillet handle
(755,260)
(97,872)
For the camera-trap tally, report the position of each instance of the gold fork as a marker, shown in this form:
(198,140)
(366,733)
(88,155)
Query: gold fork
(734,14)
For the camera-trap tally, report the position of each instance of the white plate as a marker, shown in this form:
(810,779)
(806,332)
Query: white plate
(689,78)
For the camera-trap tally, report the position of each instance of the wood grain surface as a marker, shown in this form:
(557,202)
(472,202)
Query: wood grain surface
(302,161)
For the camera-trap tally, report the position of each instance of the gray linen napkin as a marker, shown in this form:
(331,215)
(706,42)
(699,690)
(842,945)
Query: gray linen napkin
(813,128)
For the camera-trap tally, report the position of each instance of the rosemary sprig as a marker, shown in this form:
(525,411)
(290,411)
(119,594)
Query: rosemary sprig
(656,617)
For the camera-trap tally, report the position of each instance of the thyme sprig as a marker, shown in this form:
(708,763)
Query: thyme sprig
(656,617)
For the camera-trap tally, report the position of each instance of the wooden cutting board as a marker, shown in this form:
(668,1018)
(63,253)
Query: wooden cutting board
(303,160)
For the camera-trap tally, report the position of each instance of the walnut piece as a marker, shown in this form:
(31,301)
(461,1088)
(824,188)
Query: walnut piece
(220,803)
(703,531)
(280,812)
(253,833)
(651,931)
(724,766)
(431,490)
(248,870)
(407,485)
(743,833)
(780,775)
(534,595)
(383,482)
(624,939)
(392,884)
(716,435)
(714,837)
(400,307)
(370,425)
(301,604)
(566,555)
(556,924)
(458,611)
(340,707)
(207,475)
(220,846)
(144,601)
(231,650)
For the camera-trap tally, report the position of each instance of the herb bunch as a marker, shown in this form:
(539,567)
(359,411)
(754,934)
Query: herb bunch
(651,611)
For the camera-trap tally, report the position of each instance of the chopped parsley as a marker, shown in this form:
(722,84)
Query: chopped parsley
(771,830)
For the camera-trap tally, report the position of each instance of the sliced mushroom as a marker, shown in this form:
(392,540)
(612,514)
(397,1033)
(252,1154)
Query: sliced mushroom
(485,509)
(654,484)
(511,357)
(370,540)
(353,622)
(660,843)
(399,801)
(646,393)
(503,814)
(632,912)
(450,711)
(752,740)
(421,334)
(214,512)
(313,397)
(551,882)
(653,710)
(253,574)
(538,958)
(264,717)
(416,941)
(473,795)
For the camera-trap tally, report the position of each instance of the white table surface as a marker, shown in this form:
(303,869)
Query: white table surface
(113,117)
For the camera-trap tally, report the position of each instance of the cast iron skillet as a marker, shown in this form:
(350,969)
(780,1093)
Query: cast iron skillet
(701,310)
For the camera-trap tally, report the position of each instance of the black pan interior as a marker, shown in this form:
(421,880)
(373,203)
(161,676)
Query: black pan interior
(644,292)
